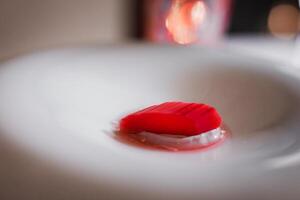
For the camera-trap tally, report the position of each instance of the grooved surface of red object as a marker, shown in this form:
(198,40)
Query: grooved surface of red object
(175,118)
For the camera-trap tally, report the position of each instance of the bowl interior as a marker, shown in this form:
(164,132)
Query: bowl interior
(65,103)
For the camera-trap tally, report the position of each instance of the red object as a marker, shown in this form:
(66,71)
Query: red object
(175,118)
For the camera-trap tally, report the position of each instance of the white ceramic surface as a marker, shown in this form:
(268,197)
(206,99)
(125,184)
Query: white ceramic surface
(57,109)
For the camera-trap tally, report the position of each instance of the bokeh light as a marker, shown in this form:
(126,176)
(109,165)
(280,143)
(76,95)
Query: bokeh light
(283,21)
(184,19)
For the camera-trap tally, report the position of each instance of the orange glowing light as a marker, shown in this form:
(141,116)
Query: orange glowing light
(184,19)
(198,12)
(283,21)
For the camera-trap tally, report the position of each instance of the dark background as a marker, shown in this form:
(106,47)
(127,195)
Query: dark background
(250,16)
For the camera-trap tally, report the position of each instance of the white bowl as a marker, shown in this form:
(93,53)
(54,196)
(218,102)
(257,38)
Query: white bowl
(58,107)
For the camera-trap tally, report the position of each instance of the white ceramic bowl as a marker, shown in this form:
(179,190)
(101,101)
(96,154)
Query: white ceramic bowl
(57,109)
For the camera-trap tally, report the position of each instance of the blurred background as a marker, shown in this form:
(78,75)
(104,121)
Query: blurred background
(34,24)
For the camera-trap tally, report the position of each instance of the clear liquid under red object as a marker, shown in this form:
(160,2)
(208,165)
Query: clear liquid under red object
(132,140)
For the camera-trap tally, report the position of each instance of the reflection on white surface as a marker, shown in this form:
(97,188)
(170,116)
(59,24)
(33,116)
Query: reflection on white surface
(285,161)
(295,56)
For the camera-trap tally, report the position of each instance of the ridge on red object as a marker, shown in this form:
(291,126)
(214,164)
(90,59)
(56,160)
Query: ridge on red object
(174,118)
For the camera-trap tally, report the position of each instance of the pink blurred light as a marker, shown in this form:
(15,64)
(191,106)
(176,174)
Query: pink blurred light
(184,20)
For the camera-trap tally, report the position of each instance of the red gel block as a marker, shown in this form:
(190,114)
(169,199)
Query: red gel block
(175,118)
